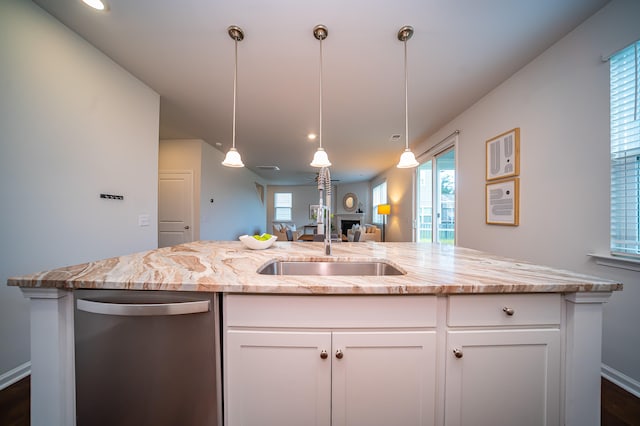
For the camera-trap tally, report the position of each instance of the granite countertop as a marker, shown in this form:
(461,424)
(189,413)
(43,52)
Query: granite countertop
(227,266)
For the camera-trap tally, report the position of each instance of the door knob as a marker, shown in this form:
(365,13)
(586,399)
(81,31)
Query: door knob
(457,352)
(186,227)
(324,354)
(339,354)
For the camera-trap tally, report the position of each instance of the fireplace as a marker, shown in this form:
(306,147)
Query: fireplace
(344,221)
(347,224)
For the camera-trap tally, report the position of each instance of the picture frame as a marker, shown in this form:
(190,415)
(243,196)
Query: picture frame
(503,155)
(502,202)
(313,211)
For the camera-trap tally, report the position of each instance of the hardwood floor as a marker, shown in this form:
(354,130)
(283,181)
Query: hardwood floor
(619,407)
(15,404)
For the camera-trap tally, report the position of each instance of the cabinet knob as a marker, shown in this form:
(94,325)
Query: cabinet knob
(324,354)
(457,352)
(339,354)
(508,311)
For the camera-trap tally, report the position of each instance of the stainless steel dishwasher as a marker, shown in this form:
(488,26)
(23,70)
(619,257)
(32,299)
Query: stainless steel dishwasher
(147,358)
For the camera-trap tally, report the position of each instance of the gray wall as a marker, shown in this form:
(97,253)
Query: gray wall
(560,101)
(303,196)
(73,124)
(237,208)
(362,190)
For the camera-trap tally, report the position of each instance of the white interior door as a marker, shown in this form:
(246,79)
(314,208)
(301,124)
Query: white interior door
(175,208)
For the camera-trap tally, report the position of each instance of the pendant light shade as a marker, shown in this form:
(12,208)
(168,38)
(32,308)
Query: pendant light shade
(320,158)
(407,159)
(232,159)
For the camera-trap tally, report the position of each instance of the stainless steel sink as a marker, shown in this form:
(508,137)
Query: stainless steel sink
(340,267)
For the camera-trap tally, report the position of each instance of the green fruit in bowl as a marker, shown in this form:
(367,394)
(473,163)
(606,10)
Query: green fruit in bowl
(263,237)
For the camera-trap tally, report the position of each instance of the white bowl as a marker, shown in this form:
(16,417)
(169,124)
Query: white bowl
(254,244)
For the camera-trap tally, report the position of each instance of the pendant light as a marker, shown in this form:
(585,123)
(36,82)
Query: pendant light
(232,159)
(407,159)
(320,158)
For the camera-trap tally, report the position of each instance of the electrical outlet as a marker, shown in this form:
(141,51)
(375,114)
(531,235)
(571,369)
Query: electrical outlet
(143,220)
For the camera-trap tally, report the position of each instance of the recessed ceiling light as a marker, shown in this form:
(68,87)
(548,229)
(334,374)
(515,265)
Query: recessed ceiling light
(218,144)
(312,136)
(96,4)
(394,138)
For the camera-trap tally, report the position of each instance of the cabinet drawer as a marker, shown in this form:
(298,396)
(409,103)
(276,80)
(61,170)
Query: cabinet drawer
(246,310)
(504,309)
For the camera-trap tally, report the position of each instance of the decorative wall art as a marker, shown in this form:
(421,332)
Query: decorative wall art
(503,155)
(502,201)
(313,211)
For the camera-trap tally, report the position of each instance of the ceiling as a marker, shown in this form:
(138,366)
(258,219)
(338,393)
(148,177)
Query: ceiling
(461,49)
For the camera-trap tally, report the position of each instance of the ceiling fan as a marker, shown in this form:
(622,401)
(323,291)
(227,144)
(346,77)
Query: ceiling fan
(313,179)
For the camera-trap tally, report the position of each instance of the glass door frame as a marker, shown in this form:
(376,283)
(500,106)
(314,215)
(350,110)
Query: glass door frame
(448,144)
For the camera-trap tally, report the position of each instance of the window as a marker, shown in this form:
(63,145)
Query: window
(379,196)
(283,204)
(625,151)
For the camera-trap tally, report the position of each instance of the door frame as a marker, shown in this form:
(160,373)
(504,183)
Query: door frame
(195,224)
(446,144)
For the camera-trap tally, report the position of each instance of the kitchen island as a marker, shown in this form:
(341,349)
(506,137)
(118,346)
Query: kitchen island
(448,294)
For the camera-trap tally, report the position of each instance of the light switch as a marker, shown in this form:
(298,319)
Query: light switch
(143,220)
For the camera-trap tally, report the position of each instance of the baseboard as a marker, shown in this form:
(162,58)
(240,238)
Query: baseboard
(618,378)
(12,376)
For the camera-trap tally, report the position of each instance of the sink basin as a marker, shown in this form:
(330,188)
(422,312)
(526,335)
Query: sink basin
(292,267)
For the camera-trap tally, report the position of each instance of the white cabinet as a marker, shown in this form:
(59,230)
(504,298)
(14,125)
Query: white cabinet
(277,378)
(503,360)
(383,378)
(352,360)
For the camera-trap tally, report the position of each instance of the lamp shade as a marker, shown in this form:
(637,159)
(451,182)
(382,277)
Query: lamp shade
(384,209)
(233,159)
(407,160)
(320,159)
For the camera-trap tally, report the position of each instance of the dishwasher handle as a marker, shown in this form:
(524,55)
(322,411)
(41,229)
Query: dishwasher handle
(143,309)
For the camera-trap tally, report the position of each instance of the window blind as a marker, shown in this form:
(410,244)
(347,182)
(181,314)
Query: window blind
(625,151)
(283,203)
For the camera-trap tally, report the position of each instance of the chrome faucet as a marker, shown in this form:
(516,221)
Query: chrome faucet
(324,211)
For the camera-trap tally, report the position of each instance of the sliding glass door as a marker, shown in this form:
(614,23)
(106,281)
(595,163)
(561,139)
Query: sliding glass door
(436,198)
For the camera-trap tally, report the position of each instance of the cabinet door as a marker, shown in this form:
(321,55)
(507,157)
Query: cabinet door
(503,377)
(384,378)
(277,378)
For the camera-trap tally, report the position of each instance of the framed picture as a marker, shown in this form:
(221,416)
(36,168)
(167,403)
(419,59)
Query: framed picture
(313,211)
(502,201)
(503,155)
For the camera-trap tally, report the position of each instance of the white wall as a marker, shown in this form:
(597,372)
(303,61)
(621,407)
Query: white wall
(400,192)
(236,208)
(560,101)
(73,124)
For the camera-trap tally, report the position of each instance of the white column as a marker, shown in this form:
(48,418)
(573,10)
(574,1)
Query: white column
(583,358)
(52,357)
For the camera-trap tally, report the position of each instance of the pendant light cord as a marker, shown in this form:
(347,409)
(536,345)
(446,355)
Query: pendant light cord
(235,96)
(320,130)
(406,97)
